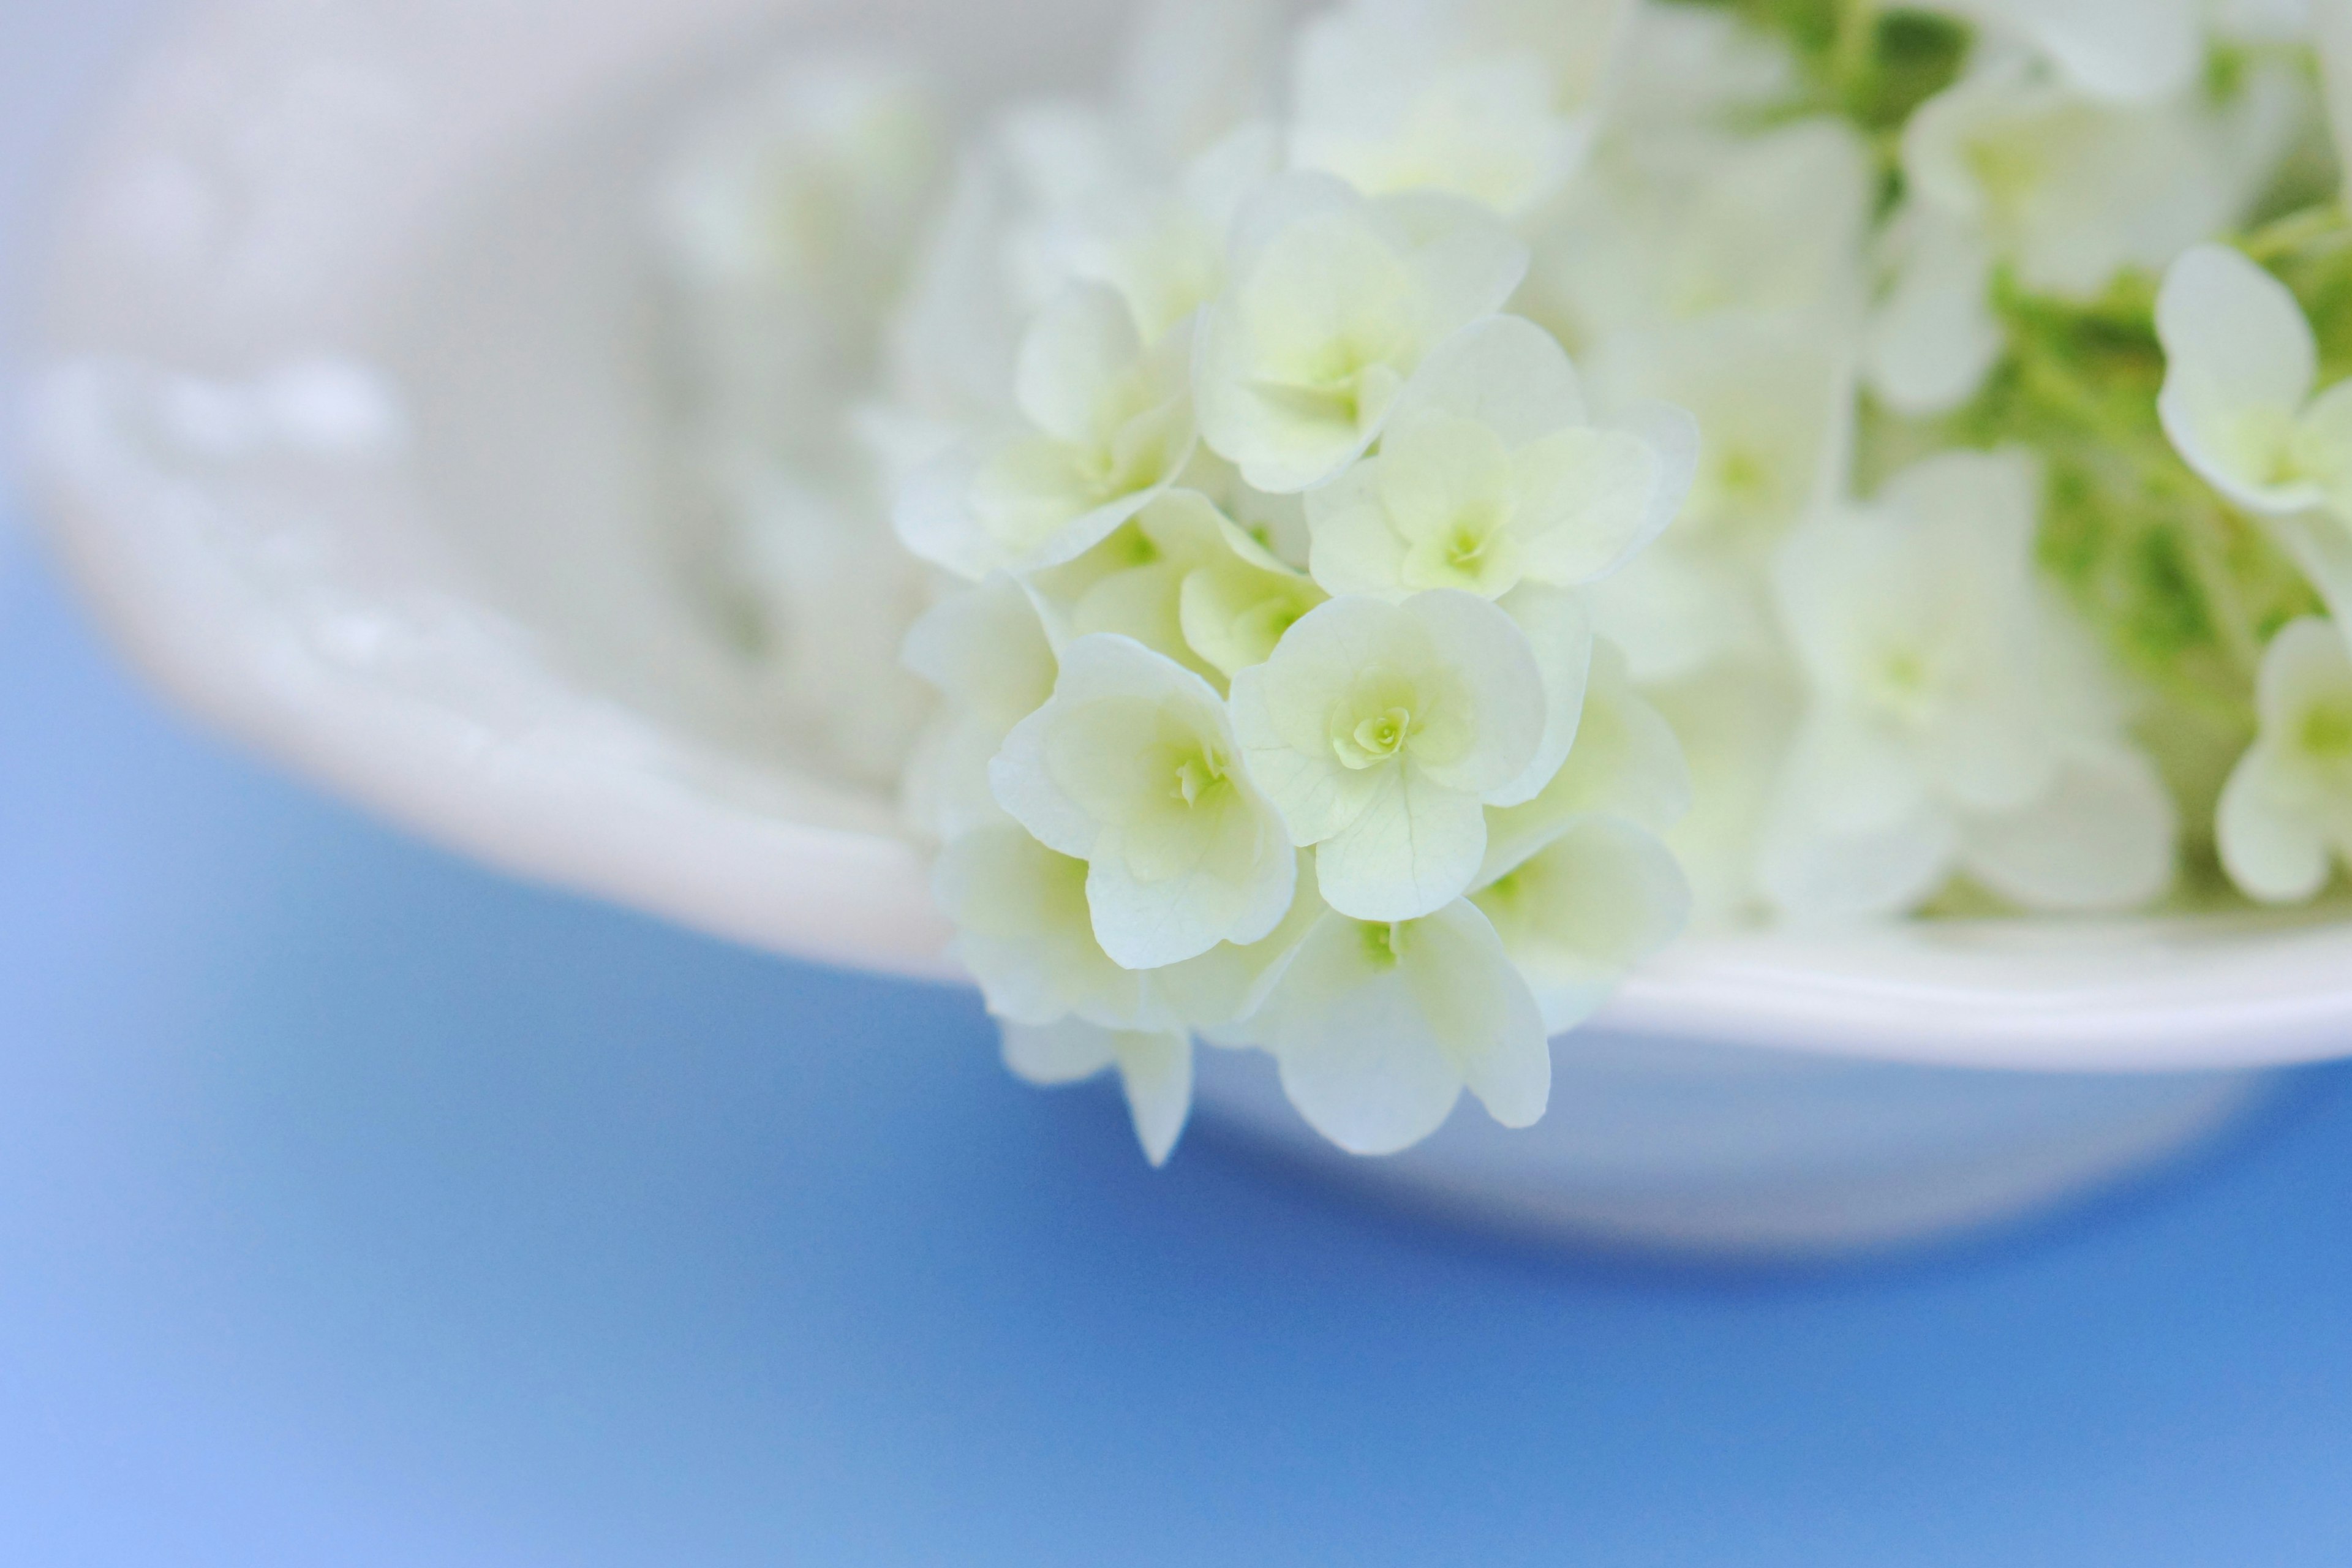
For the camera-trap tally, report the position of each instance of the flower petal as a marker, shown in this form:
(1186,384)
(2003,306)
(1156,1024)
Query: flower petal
(1602,896)
(1412,850)
(1503,372)
(2271,846)
(1559,629)
(2100,837)
(2240,361)
(1358,1058)
(1156,1069)
(1480,1011)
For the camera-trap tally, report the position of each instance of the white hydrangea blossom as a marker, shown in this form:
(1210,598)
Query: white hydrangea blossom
(2241,398)
(1381,731)
(2286,813)
(1492,474)
(2126,50)
(1489,99)
(1110,428)
(2007,168)
(1132,767)
(1378,1026)
(2241,406)
(1947,728)
(1332,302)
(1382,487)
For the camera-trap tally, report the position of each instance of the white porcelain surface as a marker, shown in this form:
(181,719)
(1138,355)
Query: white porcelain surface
(344,424)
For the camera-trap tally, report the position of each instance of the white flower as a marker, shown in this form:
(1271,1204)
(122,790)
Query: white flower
(815,185)
(1601,895)
(2062,189)
(1025,930)
(1332,304)
(1627,763)
(1948,728)
(1377,1027)
(2287,812)
(2122,49)
(1155,1068)
(1490,99)
(1774,397)
(835,598)
(1110,428)
(1733,725)
(2241,368)
(1185,581)
(1491,473)
(1133,768)
(1676,229)
(1382,731)
(1162,247)
(987,653)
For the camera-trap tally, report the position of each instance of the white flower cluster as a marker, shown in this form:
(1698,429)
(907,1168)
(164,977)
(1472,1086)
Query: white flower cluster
(1412,505)
(1267,693)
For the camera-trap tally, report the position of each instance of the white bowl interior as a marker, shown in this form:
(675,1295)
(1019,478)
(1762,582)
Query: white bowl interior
(348,424)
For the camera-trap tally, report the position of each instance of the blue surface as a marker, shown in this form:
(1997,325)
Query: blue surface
(359,1208)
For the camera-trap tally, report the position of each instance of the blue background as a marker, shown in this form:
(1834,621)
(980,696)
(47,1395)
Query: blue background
(359,1208)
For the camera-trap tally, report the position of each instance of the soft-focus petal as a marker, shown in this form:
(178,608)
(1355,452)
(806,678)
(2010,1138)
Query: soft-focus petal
(1626,761)
(2270,845)
(1934,338)
(1504,372)
(1023,930)
(1817,876)
(1156,1069)
(1480,1010)
(2240,362)
(1068,1051)
(2131,50)
(2100,837)
(1559,630)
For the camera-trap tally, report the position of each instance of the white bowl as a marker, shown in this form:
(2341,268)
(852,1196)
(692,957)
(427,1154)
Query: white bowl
(345,424)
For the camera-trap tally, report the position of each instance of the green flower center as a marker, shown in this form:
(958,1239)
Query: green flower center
(1378,738)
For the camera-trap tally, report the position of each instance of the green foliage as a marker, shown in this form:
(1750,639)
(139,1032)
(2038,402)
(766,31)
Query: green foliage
(2181,590)
(1871,62)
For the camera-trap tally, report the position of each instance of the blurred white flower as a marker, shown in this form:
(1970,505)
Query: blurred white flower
(2286,813)
(1377,1027)
(1185,581)
(987,655)
(2131,50)
(1947,726)
(1674,229)
(1026,932)
(1381,731)
(1155,1068)
(1491,473)
(1583,908)
(1774,401)
(833,597)
(1332,303)
(2240,371)
(1109,428)
(1132,767)
(2064,190)
(814,185)
(1494,101)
